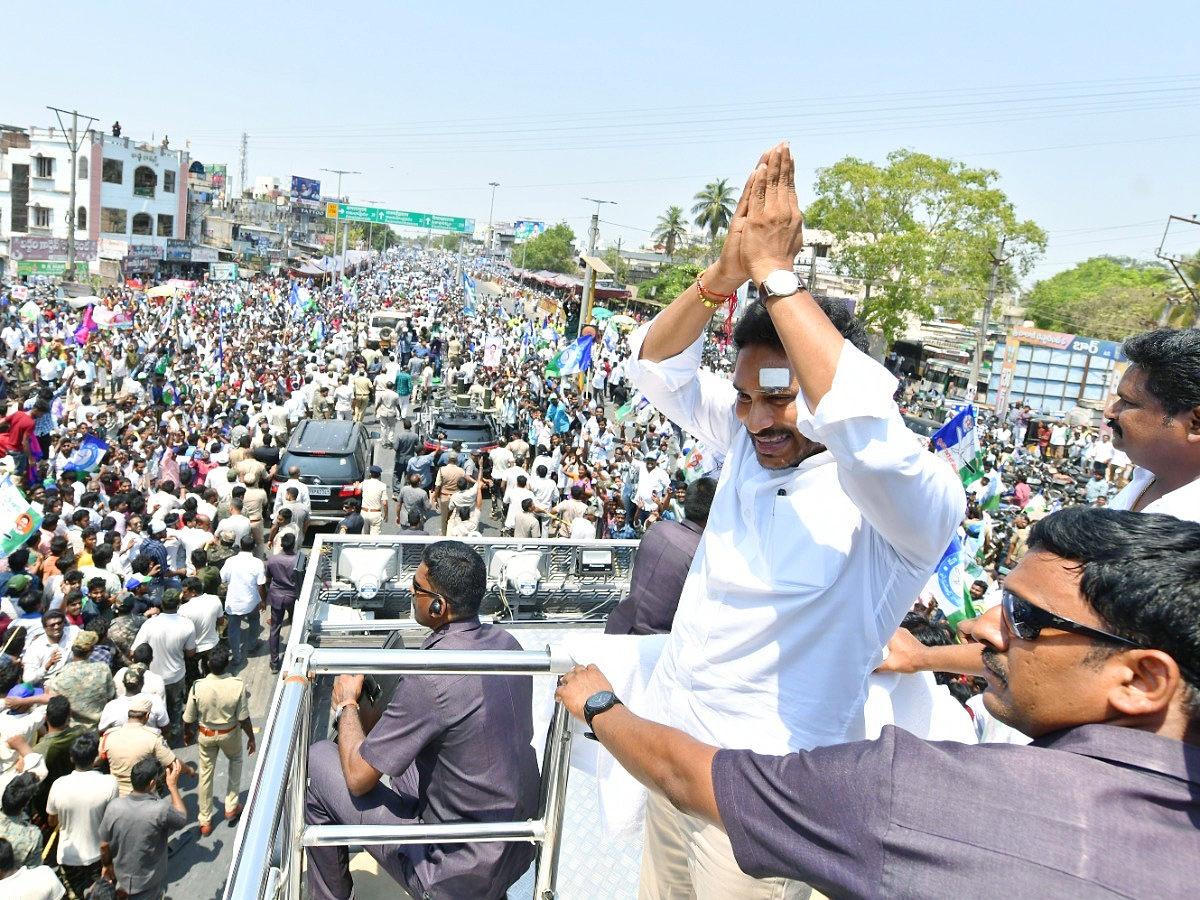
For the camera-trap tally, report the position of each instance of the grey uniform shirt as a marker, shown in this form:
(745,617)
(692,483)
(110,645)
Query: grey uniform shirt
(1090,812)
(136,828)
(663,560)
(460,745)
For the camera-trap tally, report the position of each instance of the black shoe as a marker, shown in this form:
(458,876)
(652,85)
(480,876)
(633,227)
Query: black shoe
(275,667)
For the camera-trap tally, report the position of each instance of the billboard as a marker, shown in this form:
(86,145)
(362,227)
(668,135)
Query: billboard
(178,250)
(223,272)
(527,228)
(216,174)
(50,248)
(306,191)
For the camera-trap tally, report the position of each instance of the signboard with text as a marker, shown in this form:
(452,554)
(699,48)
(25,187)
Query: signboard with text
(223,272)
(398,217)
(50,248)
(47,267)
(178,251)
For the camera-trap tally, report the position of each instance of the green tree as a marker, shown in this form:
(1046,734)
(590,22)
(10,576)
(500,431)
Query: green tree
(1106,297)
(714,207)
(920,232)
(551,250)
(671,229)
(670,282)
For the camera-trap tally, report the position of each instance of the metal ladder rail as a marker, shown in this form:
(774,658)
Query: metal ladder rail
(275,804)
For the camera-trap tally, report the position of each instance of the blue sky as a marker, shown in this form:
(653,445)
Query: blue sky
(1088,111)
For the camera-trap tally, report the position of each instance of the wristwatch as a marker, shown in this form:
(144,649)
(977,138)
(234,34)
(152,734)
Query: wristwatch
(781,283)
(601,701)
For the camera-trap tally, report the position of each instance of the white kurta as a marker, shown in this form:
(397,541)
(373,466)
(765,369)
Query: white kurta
(1182,503)
(803,574)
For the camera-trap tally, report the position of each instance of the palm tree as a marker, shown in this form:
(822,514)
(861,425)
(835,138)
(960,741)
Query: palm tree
(671,229)
(714,207)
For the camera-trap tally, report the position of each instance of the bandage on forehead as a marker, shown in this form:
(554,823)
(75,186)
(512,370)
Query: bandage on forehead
(774,380)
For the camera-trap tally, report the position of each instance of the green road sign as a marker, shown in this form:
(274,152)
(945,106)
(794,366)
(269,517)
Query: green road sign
(398,217)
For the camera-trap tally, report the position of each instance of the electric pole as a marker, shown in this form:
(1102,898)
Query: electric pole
(491,209)
(589,278)
(75,140)
(998,259)
(245,141)
(339,173)
(618,272)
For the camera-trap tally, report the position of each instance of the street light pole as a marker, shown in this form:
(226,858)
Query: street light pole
(491,209)
(589,280)
(339,173)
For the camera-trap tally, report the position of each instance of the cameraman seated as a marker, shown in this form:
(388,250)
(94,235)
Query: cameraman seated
(448,748)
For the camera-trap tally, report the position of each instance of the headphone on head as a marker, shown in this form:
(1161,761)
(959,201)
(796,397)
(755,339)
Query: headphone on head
(435,608)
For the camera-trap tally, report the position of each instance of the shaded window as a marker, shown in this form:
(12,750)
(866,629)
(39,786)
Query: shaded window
(113,171)
(83,168)
(41,217)
(81,217)
(112,221)
(144,182)
(143,223)
(169,182)
(166,226)
(45,166)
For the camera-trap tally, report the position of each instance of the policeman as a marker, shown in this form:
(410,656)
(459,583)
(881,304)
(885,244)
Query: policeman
(217,707)
(124,747)
(374,501)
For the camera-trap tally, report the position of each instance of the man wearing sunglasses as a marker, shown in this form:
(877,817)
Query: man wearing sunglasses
(1094,653)
(448,748)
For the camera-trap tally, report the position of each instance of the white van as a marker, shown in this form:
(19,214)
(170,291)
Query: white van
(383,325)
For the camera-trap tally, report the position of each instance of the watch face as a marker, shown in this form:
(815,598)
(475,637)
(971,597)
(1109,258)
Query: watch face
(781,283)
(600,701)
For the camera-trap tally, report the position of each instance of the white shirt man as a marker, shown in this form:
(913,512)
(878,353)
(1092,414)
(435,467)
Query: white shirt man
(302,496)
(243,574)
(78,800)
(652,485)
(204,611)
(116,711)
(152,685)
(170,636)
(41,650)
(804,572)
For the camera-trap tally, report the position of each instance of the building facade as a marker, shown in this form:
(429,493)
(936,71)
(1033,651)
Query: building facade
(1053,372)
(126,193)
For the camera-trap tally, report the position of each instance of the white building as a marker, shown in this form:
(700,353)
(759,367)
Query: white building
(126,193)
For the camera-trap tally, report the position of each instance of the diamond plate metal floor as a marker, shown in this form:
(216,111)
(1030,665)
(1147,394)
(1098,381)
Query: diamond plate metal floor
(590,867)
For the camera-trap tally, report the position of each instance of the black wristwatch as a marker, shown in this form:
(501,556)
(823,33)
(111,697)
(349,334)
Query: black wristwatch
(601,701)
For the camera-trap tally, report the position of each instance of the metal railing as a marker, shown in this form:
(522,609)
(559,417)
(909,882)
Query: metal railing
(272,837)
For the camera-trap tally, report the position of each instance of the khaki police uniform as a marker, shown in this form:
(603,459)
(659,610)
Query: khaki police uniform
(374,499)
(217,705)
(127,745)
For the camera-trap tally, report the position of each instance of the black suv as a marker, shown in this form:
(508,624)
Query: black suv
(333,457)
(478,432)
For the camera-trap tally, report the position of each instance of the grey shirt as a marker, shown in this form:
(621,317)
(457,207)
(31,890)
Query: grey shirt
(412,499)
(136,828)
(1095,811)
(663,559)
(460,745)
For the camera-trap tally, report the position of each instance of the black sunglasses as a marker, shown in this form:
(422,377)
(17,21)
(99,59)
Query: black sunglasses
(418,588)
(1026,621)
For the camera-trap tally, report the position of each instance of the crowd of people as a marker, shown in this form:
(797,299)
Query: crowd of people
(791,524)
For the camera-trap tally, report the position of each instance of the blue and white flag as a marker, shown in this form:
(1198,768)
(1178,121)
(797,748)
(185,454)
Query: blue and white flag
(575,357)
(957,442)
(610,340)
(468,294)
(87,455)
